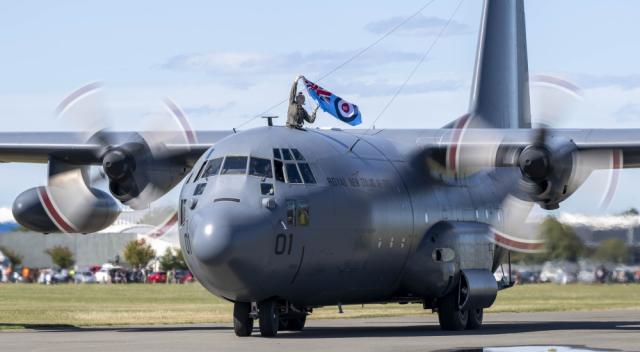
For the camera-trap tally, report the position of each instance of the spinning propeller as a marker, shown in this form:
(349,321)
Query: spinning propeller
(549,168)
(137,168)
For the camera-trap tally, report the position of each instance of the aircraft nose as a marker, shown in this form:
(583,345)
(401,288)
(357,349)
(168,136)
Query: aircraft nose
(222,231)
(211,238)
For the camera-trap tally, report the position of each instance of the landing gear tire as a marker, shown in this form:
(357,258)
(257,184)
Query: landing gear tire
(450,316)
(242,321)
(269,320)
(295,324)
(475,319)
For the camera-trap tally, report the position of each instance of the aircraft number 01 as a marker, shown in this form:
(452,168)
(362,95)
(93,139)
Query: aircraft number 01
(284,244)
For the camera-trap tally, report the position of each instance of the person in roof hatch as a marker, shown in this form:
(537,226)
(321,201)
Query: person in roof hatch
(297,115)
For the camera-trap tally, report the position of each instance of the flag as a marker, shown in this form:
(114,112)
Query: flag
(333,104)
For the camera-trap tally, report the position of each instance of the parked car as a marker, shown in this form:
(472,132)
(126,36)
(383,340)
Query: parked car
(526,275)
(102,276)
(559,272)
(587,275)
(85,277)
(158,276)
(183,276)
(110,273)
(60,276)
(135,276)
(623,274)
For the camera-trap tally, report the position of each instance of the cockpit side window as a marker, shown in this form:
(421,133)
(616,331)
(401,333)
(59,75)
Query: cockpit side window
(212,167)
(297,154)
(234,165)
(307,175)
(199,171)
(260,167)
(286,154)
(199,189)
(279,170)
(276,153)
(293,176)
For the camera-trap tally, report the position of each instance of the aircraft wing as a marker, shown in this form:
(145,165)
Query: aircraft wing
(625,141)
(38,147)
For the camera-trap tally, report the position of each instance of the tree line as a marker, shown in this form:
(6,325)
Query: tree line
(137,253)
(562,243)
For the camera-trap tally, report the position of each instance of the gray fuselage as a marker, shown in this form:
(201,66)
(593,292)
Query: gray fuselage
(358,234)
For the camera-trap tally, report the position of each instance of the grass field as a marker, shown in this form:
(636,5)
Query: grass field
(86,305)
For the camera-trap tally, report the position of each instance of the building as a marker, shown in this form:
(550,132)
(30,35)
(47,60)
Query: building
(90,249)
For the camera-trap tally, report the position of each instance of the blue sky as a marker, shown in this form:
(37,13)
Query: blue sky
(224,62)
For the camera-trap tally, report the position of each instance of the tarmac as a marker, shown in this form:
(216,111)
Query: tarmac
(566,331)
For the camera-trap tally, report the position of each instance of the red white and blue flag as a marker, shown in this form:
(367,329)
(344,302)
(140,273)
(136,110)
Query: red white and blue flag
(333,104)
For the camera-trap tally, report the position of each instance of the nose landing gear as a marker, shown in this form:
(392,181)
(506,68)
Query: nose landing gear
(272,315)
(269,318)
(242,320)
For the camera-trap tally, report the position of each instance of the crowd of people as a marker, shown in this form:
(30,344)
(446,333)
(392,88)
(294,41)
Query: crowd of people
(106,273)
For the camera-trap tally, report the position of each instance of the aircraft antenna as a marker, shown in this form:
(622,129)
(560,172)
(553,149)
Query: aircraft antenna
(418,64)
(347,61)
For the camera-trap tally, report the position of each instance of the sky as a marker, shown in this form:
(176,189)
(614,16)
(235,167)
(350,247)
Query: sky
(225,62)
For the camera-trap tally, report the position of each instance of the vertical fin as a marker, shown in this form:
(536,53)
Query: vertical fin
(500,91)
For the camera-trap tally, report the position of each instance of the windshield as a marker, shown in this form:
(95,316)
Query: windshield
(260,167)
(234,165)
(212,168)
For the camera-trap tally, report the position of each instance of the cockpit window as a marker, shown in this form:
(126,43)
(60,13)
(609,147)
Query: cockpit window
(286,154)
(297,154)
(234,165)
(293,176)
(212,167)
(297,170)
(260,167)
(199,189)
(307,175)
(199,172)
(279,170)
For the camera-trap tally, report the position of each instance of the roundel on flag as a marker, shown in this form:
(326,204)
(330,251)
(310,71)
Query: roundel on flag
(346,110)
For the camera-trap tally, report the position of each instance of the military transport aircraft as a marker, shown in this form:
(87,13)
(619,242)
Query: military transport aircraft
(282,220)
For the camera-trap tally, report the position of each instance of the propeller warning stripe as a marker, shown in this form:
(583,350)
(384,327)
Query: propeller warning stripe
(614,177)
(452,152)
(53,213)
(514,244)
(520,246)
(82,91)
(182,121)
(162,229)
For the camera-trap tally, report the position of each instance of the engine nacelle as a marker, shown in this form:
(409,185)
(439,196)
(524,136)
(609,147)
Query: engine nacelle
(41,209)
(137,175)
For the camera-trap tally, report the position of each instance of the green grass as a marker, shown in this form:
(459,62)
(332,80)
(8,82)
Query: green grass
(89,305)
